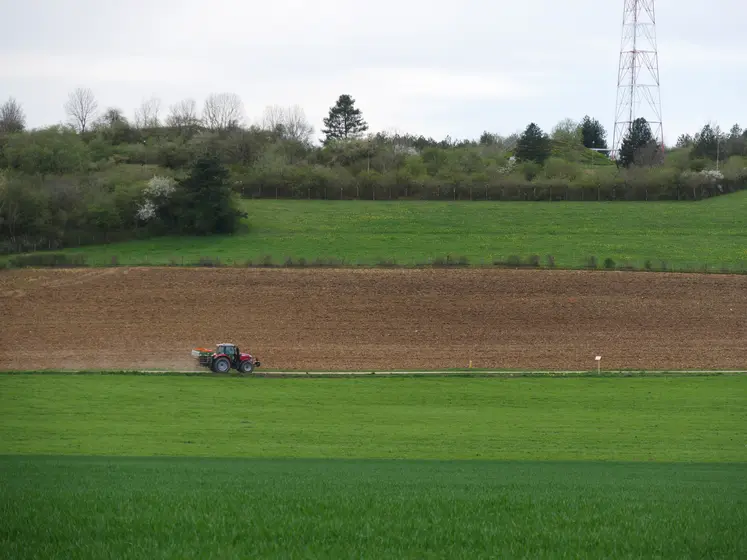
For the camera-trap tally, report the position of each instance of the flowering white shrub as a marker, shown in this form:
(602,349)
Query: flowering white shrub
(160,187)
(156,193)
(704,177)
(509,167)
(712,175)
(147,211)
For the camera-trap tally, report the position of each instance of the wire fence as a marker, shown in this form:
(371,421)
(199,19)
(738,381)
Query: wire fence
(532,262)
(535,192)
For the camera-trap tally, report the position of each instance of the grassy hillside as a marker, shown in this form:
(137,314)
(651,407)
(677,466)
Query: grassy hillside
(683,235)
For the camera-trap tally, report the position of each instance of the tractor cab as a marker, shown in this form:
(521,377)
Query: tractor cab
(227,349)
(230,350)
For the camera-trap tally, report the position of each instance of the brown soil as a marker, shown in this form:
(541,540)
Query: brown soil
(133,318)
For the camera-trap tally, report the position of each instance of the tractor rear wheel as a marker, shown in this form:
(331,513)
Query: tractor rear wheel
(221,365)
(246,367)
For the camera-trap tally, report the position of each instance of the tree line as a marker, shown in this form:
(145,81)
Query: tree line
(104,176)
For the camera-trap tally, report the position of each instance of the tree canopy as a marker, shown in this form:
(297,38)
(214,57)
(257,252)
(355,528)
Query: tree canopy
(345,120)
(639,146)
(533,145)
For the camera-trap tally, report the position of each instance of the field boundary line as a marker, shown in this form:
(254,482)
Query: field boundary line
(396,373)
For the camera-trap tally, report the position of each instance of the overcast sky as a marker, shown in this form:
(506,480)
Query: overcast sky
(423,66)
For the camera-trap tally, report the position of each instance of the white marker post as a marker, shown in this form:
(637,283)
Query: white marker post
(599,361)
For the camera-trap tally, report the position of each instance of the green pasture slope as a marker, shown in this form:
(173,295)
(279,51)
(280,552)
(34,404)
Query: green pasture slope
(137,466)
(684,235)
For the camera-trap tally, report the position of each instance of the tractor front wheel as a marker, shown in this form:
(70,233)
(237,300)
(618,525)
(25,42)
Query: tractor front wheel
(246,367)
(221,365)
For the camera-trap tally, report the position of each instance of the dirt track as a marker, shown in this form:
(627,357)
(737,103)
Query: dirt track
(135,318)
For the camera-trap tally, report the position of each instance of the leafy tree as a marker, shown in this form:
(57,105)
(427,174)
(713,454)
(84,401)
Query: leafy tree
(533,145)
(12,118)
(639,146)
(113,128)
(567,133)
(204,202)
(52,151)
(344,121)
(593,134)
(110,118)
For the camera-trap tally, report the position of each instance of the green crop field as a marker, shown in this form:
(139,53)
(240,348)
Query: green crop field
(684,235)
(137,466)
(175,508)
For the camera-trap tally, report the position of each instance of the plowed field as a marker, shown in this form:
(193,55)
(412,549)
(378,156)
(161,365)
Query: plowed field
(133,318)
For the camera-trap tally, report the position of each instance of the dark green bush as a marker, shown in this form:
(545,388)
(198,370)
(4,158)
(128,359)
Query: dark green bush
(57,260)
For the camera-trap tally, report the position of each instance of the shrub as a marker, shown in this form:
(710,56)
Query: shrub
(609,263)
(47,260)
(450,261)
(54,150)
(513,261)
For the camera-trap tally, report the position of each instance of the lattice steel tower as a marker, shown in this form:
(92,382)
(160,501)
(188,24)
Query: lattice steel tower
(638,93)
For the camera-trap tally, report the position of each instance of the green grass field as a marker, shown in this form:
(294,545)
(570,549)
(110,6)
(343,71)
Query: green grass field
(221,508)
(134,466)
(685,235)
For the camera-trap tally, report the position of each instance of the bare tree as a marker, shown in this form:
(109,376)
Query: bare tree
(223,111)
(289,122)
(183,114)
(81,107)
(12,118)
(146,116)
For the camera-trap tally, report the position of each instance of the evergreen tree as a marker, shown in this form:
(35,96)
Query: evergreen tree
(593,134)
(488,139)
(706,143)
(204,201)
(736,143)
(344,120)
(533,145)
(684,141)
(639,146)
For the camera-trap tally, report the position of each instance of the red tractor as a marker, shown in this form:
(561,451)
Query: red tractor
(225,357)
